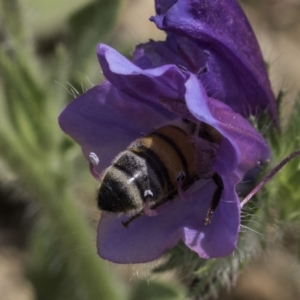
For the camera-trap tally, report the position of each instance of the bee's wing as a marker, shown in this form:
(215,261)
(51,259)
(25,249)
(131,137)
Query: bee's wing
(104,122)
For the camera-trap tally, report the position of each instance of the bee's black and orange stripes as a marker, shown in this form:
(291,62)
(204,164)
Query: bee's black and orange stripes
(153,163)
(148,170)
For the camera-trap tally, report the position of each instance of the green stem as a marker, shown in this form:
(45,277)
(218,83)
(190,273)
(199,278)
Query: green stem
(75,234)
(67,221)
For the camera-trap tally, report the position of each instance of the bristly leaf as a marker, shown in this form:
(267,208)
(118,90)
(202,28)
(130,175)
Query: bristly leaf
(37,155)
(278,203)
(23,97)
(264,124)
(90,25)
(204,278)
(49,270)
(10,13)
(291,131)
(286,183)
(155,290)
(176,256)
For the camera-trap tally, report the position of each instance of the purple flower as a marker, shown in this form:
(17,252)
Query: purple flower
(209,70)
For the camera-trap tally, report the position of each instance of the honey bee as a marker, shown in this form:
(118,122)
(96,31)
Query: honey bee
(152,169)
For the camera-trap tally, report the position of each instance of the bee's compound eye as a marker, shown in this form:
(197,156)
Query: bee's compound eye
(181,176)
(94,159)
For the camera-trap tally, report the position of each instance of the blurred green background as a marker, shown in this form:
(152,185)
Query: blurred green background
(48,214)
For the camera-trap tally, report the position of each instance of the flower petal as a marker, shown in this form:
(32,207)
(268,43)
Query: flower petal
(146,86)
(242,147)
(147,238)
(105,121)
(221,29)
(161,6)
(210,52)
(219,238)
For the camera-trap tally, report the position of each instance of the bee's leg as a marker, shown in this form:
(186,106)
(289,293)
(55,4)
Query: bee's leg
(147,209)
(137,215)
(180,178)
(215,199)
(95,174)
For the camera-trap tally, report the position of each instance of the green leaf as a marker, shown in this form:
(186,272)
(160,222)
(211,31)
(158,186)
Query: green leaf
(176,256)
(205,277)
(154,290)
(23,99)
(91,25)
(48,266)
(10,13)
(50,16)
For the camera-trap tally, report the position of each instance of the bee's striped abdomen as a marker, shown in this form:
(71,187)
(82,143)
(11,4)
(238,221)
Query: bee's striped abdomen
(173,153)
(154,167)
(125,182)
(147,170)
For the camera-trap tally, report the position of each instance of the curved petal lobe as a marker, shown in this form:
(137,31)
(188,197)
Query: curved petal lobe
(104,121)
(147,238)
(242,147)
(221,29)
(146,86)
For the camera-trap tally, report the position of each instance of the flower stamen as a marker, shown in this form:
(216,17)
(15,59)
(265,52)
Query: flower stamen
(94,161)
(270,175)
(147,209)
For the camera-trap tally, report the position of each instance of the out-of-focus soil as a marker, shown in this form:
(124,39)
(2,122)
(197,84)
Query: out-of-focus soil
(15,224)
(13,283)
